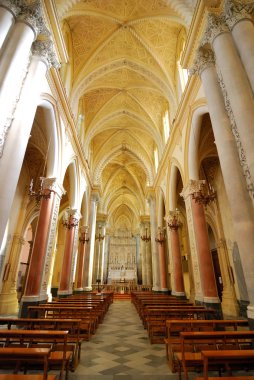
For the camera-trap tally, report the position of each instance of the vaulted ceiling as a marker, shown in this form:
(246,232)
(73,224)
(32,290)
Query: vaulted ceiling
(123,57)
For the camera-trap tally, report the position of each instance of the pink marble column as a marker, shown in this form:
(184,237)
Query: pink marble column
(65,286)
(41,256)
(36,267)
(207,276)
(83,240)
(177,263)
(162,262)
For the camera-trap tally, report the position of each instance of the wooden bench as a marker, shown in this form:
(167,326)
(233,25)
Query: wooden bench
(60,355)
(72,325)
(24,354)
(156,319)
(227,358)
(88,324)
(175,326)
(192,343)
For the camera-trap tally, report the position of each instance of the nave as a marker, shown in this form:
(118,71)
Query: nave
(120,349)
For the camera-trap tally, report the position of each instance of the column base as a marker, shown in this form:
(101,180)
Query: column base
(54,291)
(88,289)
(243,306)
(64,293)
(78,291)
(179,295)
(9,303)
(212,305)
(250,313)
(23,311)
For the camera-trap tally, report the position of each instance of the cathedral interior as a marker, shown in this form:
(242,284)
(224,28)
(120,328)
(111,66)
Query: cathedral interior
(126,150)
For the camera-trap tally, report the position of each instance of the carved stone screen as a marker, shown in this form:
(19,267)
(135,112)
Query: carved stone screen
(122,264)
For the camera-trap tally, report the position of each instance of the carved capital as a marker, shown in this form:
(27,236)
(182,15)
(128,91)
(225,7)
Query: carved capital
(192,187)
(32,14)
(45,50)
(216,25)
(204,59)
(52,185)
(236,11)
(11,6)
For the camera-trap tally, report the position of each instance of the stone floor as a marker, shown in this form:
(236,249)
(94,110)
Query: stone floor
(120,349)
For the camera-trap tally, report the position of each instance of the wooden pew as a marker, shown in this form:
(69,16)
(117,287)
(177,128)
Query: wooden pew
(227,358)
(175,326)
(88,321)
(72,325)
(59,354)
(24,354)
(156,319)
(192,343)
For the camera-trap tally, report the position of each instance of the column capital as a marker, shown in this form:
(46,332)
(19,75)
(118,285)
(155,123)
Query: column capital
(54,186)
(173,220)
(216,25)
(84,229)
(45,50)
(236,11)
(150,193)
(193,186)
(32,15)
(101,219)
(10,6)
(204,59)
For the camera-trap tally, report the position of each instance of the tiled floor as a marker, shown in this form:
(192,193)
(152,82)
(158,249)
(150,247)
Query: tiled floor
(120,349)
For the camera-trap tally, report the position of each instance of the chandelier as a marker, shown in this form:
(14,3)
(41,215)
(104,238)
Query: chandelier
(145,237)
(161,237)
(41,193)
(99,237)
(173,220)
(69,221)
(83,237)
(204,194)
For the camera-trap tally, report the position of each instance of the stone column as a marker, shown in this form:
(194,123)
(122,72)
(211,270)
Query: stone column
(240,21)
(90,257)
(8,12)
(154,248)
(102,254)
(145,239)
(237,192)
(20,127)
(39,267)
(83,240)
(203,273)
(235,80)
(14,61)
(162,260)
(66,277)
(173,223)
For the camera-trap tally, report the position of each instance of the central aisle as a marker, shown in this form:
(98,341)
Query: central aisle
(120,349)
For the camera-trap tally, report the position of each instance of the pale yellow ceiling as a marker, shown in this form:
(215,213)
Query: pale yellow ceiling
(122,60)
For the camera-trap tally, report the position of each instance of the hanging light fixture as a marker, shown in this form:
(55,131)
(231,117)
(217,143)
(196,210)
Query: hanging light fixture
(99,237)
(69,221)
(83,237)
(173,220)
(145,237)
(204,194)
(161,237)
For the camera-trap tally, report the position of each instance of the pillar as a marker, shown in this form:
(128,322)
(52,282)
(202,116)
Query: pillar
(83,240)
(8,12)
(240,203)
(67,271)
(90,257)
(240,21)
(39,267)
(236,87)
(20,128)
(203,273)
(173,223)
(162,261)
(154,248)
